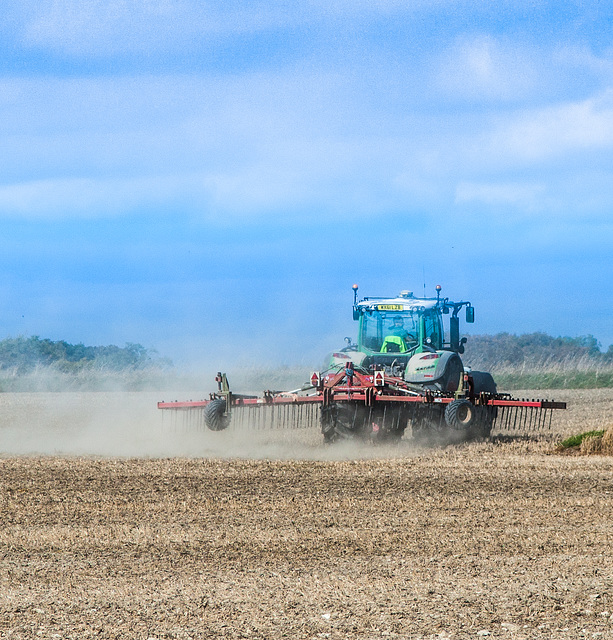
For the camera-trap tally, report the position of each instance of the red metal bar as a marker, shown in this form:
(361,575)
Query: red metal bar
(182,405)
(538,404)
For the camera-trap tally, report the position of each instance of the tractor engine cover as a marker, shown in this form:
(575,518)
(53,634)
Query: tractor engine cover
(437,368)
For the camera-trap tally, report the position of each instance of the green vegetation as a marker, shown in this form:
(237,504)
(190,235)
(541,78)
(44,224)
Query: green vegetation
(23,355)
(35,364)
(540,361)
(529,361)
(546,379)
(575,441)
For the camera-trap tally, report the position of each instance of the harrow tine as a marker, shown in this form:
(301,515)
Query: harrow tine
(542,413)
(530,419)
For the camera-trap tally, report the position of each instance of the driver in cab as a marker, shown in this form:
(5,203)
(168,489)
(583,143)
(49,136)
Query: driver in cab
(398,337)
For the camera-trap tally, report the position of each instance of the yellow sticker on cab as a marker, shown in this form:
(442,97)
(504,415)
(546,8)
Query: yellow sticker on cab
(390,307)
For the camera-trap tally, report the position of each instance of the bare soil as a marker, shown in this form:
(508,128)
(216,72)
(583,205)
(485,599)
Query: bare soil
(287,538)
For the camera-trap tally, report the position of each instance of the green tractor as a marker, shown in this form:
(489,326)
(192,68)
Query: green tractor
(405,370)
(416,339)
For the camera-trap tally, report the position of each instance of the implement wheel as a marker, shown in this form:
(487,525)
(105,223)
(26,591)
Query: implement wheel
(215,416)
(460,415)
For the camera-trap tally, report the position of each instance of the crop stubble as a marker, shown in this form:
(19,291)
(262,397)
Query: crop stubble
(502,538)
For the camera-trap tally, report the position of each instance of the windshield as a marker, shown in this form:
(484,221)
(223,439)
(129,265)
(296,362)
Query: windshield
(389,331)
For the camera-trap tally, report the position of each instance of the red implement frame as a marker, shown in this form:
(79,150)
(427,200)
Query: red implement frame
(350,386)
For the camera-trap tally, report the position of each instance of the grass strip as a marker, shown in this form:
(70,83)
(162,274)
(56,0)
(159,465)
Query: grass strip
(576,440)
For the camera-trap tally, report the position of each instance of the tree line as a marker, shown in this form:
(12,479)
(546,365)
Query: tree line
(534,350)
(22,355)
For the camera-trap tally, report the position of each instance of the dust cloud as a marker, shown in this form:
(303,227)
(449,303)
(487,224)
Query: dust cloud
(129,424)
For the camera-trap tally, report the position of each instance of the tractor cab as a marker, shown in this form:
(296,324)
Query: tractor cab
(393,327)
(394,331)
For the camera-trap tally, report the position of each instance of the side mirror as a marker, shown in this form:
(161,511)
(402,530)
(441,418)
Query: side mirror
(356,313)
(470,314)
(461,347)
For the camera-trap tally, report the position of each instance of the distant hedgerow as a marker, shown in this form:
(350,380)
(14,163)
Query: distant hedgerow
(540,361)
(22,355)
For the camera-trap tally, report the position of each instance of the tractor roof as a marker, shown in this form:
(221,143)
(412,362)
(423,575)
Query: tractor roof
(403,302)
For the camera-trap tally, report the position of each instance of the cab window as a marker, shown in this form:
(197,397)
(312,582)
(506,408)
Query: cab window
(377,325)
(433,331)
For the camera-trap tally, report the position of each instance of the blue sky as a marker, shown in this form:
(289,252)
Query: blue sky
(210,178)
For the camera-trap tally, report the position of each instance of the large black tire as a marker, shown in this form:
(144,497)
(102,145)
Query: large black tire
(215,416)
(347,421)
(341,422)
(460,415)
(483,382)
(469,421)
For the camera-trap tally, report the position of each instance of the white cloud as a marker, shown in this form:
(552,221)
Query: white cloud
(250,145)
(258,144)
(555,131)
(482,69)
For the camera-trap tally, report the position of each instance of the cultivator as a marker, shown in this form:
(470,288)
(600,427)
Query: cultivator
(371,405)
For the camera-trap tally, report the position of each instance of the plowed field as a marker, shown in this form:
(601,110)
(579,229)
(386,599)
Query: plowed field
(286,538)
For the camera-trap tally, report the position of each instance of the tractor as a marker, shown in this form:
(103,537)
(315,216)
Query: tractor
(404,371)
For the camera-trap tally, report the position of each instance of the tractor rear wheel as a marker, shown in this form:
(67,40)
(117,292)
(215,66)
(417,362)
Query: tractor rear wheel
(215,416)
